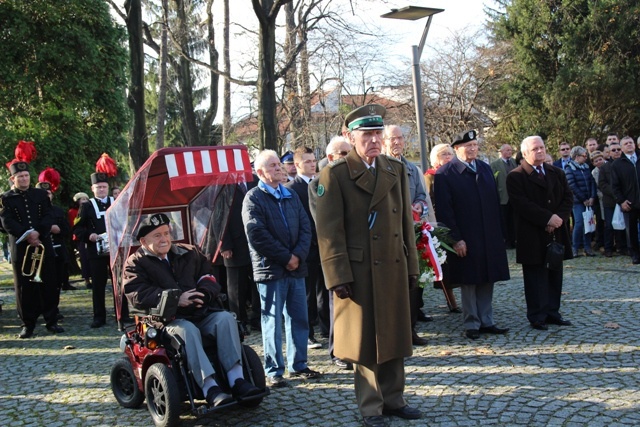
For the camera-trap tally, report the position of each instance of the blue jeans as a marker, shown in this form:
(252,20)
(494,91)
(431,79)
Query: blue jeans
(286,296)
(580,240)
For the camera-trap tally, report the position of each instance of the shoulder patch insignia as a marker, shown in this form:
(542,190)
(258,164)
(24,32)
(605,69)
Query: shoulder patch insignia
(320,190)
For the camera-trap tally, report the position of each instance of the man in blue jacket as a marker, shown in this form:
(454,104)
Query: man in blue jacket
(279,236)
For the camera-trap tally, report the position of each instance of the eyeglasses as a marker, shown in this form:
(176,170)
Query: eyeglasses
(342,153)
(615,150)
(565,149)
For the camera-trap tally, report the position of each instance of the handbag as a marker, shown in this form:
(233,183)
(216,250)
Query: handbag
(617,222)
(589,220)
(555,255)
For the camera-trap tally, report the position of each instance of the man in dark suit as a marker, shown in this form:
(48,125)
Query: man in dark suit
(467,201)
(89,226)
(565,157)
(317,294)
(234,250)
(542,201)
(625,183)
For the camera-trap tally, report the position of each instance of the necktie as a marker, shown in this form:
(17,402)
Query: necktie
(166,262)
(472,166)
(372,170)
(633,158)
(540,172)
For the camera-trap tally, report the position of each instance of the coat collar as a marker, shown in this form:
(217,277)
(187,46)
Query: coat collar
(378,185)
(533,174)
(460,166)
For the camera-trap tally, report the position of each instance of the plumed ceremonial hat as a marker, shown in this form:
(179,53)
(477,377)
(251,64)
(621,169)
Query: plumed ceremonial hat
(466,136)
(44,186)
(152,222)
(25,153)
(105,168)
(367,117)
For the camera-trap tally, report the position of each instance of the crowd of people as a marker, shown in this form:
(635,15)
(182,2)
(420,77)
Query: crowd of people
(329,247)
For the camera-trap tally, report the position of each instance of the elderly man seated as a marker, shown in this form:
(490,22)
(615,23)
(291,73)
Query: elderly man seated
(158,265)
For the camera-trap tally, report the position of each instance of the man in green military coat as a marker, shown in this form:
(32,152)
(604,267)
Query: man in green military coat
(367,248)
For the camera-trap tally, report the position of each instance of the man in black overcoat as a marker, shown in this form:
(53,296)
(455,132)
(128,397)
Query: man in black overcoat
(542,201)
(468,203)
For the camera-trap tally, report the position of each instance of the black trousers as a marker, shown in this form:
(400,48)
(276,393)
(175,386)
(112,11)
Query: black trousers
(34,299)
(542,291)
(99,276)
(238,290)
(317,299)
(631,219)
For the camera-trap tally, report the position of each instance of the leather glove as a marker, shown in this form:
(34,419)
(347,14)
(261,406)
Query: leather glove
(209,287)
(413,282)
(342,291)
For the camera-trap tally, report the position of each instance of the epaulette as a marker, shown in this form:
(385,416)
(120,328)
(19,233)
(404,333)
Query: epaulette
(337,162)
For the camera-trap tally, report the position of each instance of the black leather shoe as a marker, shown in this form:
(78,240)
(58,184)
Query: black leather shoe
(494,330)
(417,340)
(97,323)
(26,332)
(473,334)
(406,412)
(635,260)
(243,389)
(560,322)
(376,421)
(55,329)
(306,374)
(423,317)
(347,366)
(541,326)
(217,397)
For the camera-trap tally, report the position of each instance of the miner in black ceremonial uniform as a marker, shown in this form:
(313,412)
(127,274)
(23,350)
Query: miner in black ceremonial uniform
(90,227)
(27,217)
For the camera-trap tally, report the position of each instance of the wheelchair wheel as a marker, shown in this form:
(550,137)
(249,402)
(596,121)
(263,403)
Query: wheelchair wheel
(124,385)
(162,393)
(252,368)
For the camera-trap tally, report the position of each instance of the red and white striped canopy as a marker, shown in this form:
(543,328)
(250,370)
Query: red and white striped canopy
(205,166)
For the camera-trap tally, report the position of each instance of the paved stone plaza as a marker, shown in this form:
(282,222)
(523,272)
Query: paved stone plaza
(584,375)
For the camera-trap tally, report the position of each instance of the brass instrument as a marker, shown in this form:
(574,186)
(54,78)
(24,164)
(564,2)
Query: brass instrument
(34,255)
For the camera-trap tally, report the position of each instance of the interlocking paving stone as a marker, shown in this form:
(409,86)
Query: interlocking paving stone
(587,374)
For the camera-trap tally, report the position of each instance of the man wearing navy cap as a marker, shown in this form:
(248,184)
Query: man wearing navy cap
(468,204)
(367,249)
(289,165)
(160,264)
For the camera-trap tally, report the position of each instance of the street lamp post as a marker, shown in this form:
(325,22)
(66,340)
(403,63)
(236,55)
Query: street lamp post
(413,13)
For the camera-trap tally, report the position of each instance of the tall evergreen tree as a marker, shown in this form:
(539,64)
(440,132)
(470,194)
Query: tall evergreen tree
(62,80)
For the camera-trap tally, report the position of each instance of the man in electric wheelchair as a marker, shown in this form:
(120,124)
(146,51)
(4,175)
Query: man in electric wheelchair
(200,320)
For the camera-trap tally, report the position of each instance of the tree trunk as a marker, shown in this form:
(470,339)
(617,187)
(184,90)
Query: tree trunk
(267,118)
(305,91)
(290,98)
(189,126)
(139,147)
(226,113)
(206,131)
(162,86)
